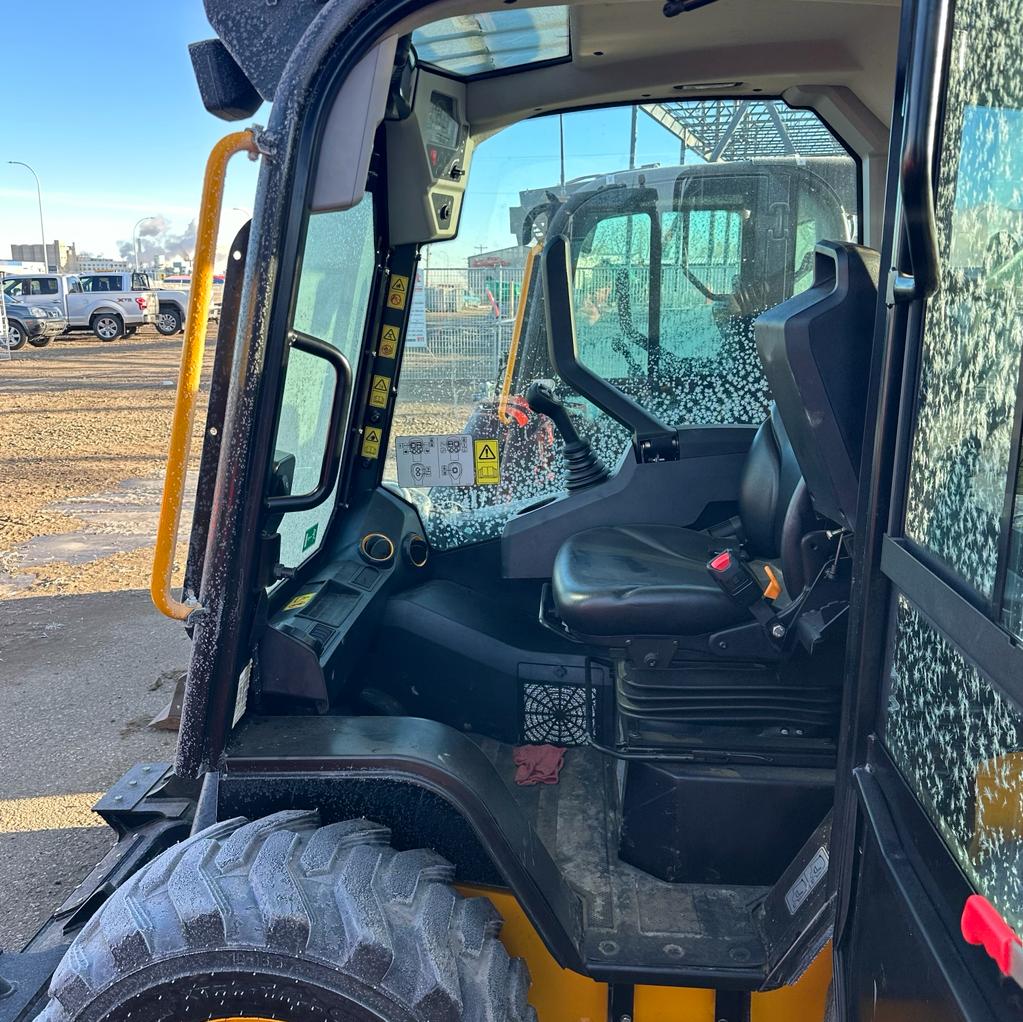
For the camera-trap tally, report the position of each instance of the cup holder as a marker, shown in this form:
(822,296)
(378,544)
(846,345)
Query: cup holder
(416,550)
(376,548)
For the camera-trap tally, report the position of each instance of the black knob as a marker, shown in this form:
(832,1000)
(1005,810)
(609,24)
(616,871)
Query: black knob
(544,401)
(584,467)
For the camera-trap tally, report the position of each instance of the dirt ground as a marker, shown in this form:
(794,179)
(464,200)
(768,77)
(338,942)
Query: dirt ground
(86,427)
(85,660)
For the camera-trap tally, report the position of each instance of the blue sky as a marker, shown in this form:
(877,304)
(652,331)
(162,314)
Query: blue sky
(527,155)
(120,133)
(100,99)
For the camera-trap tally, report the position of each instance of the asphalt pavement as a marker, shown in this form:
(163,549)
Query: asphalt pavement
(80,677)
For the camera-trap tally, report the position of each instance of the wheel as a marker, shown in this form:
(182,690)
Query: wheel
(284,919)
(130,331)
(168,322)
(107,326)
(15,335)
(41,341)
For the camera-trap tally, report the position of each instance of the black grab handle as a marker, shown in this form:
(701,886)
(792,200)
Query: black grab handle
(920,135)
(333,448)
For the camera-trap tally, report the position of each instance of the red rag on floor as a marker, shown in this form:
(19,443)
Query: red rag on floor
(538,764)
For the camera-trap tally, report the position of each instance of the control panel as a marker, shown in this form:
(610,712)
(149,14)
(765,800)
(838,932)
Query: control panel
(428,156)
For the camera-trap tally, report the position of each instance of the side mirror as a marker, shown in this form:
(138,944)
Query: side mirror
(280,497)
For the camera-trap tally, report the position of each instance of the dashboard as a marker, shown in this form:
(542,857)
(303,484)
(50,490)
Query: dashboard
(380,549)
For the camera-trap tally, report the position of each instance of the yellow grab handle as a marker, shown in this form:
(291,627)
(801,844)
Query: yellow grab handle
(516,339)
(192,351)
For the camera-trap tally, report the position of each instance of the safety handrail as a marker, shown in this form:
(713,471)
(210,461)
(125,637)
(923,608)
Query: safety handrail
(192,350)
(516,340)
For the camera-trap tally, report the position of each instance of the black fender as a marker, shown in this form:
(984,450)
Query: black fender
(426,781)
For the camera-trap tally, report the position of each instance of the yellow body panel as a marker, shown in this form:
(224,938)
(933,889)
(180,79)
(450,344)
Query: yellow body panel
(192,351)
(560,995)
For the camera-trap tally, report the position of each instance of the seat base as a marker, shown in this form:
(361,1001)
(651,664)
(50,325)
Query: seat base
(641,580)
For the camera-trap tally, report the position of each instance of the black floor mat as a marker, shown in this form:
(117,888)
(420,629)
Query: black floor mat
(630,916)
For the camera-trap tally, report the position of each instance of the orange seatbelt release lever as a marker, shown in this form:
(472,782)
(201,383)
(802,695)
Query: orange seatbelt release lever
(773,589)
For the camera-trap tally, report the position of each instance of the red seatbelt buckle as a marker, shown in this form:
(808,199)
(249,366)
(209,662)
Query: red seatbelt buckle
(982,925)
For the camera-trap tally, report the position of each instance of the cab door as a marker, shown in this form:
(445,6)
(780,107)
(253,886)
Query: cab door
(930,810)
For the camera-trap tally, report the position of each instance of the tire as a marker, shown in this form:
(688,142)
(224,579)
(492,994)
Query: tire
(40,342)
(107,326)
(130,331)
(282,918)
(16,336)
(168,322)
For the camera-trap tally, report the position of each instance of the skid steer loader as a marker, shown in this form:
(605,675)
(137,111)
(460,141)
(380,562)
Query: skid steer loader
(648,653)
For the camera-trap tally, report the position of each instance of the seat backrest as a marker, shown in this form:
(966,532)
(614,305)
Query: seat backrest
(769,479)
(815,349)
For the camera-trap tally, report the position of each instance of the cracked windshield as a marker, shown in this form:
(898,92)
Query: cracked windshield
(683,228)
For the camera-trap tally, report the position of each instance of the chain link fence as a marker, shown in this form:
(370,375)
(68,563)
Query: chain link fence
(468,316)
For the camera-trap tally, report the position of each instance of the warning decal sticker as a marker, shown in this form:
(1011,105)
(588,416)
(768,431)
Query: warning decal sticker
(434,460)
(389,341)
(488,465)
(378,391)
(371,443)
(397,292)
(299,601)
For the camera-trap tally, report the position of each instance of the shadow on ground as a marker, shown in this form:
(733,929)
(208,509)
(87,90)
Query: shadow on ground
(79,678)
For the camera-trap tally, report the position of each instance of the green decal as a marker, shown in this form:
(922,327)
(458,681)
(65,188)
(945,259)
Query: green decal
(310,537)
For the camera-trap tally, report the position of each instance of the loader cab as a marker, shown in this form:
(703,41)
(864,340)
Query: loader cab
(706,480)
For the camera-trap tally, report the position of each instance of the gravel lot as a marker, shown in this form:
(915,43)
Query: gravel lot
(85,660)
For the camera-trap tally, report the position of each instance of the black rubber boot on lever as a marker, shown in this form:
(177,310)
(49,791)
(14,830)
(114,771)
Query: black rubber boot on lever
(584,467)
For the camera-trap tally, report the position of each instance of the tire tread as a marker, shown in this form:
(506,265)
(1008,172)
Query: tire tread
(337,895)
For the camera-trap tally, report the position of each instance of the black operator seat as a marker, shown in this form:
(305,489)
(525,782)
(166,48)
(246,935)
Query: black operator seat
(653,579)
(612,582)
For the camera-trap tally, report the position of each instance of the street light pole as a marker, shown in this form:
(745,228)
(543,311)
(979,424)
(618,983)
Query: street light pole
(135,240)
(39,197)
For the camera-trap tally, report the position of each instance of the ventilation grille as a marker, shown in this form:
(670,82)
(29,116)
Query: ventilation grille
(554,714)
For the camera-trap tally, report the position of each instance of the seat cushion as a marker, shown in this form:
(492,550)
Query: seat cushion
(641,580)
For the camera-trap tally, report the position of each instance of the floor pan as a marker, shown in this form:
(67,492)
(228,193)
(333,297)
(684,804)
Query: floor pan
(631,916)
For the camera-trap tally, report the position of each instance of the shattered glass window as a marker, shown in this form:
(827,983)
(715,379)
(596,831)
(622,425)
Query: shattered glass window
(960,746)
(973,333)
(666,288)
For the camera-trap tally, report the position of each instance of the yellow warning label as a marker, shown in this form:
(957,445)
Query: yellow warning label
(299,601)
(371,442)
(488,467)
(397,292)
(378,391)
(389,341)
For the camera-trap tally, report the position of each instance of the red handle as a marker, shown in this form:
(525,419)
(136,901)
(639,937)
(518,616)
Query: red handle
(981,924)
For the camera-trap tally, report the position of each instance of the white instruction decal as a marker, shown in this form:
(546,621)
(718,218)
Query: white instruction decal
(435,460)
(815,872)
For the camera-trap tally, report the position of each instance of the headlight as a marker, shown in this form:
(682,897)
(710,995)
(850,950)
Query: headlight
(38,312)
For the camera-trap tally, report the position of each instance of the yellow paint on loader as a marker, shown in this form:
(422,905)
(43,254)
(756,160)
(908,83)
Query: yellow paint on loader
(560,995)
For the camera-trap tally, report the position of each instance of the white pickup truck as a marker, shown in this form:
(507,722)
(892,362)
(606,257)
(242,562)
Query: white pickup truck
(173,302)
(108,314)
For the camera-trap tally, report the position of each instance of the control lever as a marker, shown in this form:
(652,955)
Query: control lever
(584,467)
